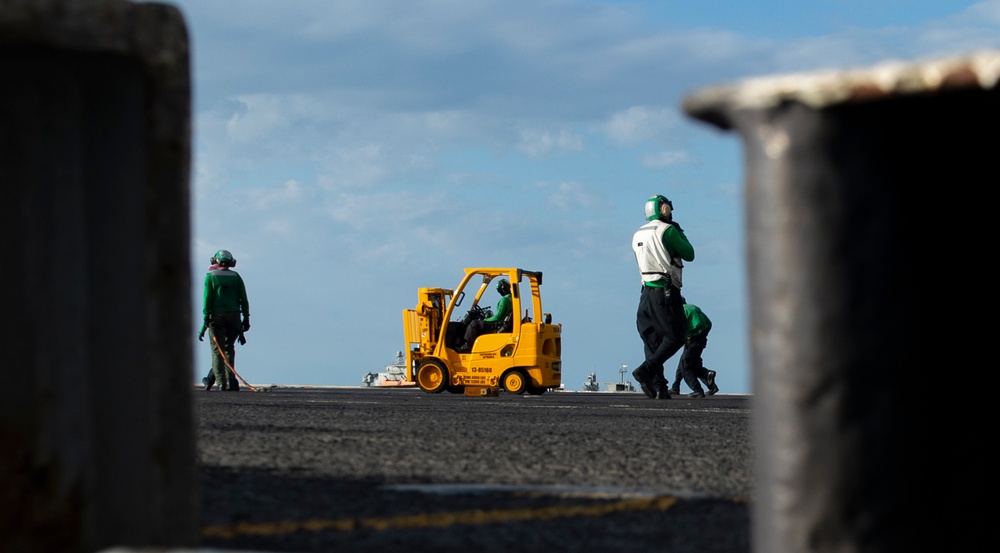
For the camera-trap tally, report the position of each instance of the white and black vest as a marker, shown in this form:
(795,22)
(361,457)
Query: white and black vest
(655,262)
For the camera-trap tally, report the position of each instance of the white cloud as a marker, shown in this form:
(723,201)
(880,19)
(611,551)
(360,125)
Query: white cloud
(980,14)
(265,198)
(279,227)
(571,196)
(639,123)
(261,116)
(539,143)
(665,159)
(731,189)
(359,167)
(381,210)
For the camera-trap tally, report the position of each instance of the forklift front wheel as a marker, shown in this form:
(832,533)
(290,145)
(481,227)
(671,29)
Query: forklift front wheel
(515,382)
(432,376)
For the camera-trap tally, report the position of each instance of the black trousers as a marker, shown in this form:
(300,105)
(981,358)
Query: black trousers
(224,329)
(691,366)
(660,322)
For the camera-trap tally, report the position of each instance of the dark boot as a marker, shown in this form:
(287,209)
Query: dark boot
(641,375)
(710,383)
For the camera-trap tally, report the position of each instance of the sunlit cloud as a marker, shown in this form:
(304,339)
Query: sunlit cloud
(288,192)
(279,227)
(665,159)
(981,14)
(570,196)
(639,123)
(539,143)
(360,167)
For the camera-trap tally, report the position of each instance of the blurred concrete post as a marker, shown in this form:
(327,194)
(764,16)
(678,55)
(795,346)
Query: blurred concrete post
(858,186)
(97,444)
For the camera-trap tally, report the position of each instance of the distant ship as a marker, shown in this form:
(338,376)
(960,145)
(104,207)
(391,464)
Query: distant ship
(394,374)
(592,385)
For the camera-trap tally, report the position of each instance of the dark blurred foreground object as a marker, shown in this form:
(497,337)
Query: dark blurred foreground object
(863,189)
(95,161)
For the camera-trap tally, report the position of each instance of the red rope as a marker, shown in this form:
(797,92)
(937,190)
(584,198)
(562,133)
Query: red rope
(228,365)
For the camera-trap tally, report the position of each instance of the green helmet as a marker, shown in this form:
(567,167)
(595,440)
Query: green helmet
(503,286)
(223,257)
(658,207)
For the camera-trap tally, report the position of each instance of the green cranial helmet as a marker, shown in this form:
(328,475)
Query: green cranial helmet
(658,207)
(503,286)
(223,257)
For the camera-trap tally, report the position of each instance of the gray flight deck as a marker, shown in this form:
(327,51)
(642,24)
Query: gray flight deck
(376,469)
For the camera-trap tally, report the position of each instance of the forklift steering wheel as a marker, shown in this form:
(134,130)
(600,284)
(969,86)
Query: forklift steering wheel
(476,312)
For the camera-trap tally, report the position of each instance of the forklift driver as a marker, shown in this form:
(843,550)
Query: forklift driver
(489,324)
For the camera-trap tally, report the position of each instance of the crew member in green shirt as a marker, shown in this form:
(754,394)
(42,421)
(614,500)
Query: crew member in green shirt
(660,248)
(492,323)
(227,317)
(691,367)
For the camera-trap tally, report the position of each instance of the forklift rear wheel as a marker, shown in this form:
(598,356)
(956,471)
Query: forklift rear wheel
(432,376)
(515,382)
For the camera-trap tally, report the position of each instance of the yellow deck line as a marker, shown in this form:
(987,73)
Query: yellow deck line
(436,520)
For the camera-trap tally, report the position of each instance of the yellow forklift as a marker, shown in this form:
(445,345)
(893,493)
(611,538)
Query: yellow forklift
(521,353)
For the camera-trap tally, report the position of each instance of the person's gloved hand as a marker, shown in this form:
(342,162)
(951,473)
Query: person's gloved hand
(242,339)
(246,324)
(201,335)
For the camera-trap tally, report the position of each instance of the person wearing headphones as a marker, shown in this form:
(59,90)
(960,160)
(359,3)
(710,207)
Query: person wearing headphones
(227,318)
(660,248)
(492,323)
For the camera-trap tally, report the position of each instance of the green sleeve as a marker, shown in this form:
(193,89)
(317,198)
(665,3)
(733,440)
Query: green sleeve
(243,299)
(206,308)
(678,244)
(503,308)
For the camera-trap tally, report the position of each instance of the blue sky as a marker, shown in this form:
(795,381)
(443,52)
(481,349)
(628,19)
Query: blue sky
(350,152)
